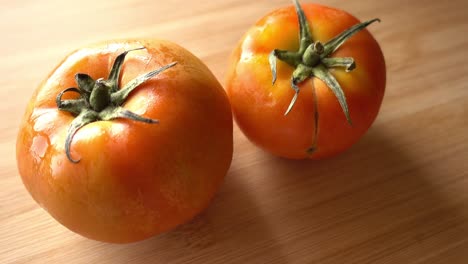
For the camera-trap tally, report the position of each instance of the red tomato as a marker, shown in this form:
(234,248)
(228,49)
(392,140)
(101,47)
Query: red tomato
(128,157)
(334,108)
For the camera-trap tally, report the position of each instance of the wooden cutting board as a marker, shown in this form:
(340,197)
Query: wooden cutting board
(398,196)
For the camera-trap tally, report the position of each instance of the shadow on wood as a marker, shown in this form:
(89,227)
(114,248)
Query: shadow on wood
(374,199)
(372,203)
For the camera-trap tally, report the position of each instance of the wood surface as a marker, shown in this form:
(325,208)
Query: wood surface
(400,195)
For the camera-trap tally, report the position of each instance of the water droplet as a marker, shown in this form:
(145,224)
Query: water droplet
(39,147)
(44,119)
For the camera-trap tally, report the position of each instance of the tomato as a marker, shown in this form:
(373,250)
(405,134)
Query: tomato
(329,58)
(139,146)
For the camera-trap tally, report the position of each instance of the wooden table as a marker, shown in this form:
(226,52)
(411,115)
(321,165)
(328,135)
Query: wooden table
(398,196)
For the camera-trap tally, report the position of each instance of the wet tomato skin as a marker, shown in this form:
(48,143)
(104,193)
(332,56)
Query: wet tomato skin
(259,106)
(134,180)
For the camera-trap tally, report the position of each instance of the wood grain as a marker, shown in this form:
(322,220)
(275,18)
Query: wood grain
(399,196)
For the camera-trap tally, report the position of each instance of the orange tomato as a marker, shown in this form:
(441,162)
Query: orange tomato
(121,169)
(322,122)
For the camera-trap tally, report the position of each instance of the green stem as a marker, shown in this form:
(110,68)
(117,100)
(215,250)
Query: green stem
(332,45)
(102,99)
(111,113)
(119,97)
(84,118)
(312,55)
(73,106)
(100,96)
(325,76)
(114,74)
(305,38)
(85,83)
(312,59)
(348,63)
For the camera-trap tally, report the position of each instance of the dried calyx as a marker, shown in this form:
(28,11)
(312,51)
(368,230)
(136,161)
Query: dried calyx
(101,100)
(313,60)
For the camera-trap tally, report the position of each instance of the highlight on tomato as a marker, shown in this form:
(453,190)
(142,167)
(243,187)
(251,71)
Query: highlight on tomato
(306,81)
(126,139)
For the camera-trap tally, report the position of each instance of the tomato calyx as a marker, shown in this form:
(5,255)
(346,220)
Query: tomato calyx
(101,99)
(313,60)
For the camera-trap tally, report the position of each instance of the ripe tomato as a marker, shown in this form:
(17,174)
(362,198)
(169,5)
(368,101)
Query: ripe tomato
(339,71)
(101,164)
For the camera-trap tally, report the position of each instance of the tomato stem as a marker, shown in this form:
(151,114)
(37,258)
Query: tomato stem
(101,100)
(100,96)
(84,118)
(312,60)
(313,54)
(347,63)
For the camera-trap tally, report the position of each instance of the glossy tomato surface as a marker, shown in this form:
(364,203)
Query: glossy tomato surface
(134,180)
(259,106)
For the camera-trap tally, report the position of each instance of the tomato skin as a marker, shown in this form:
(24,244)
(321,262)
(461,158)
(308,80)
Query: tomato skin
(259,106)
(134,180)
